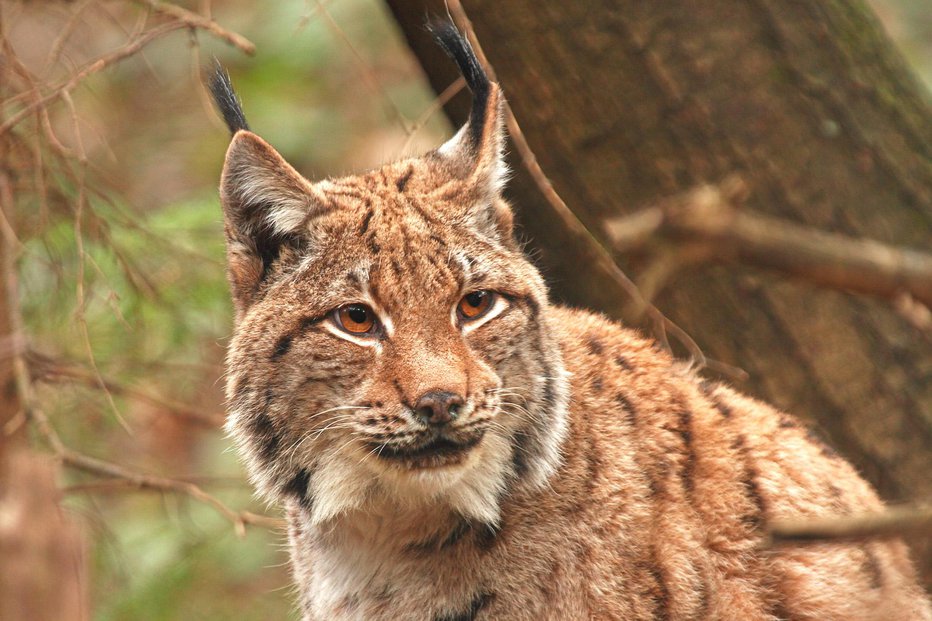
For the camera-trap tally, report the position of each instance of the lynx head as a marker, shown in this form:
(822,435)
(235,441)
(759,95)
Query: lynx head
(390,343)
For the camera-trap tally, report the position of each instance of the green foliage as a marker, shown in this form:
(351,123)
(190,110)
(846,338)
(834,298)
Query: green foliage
(154,288)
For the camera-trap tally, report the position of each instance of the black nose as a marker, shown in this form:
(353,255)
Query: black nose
(438,407)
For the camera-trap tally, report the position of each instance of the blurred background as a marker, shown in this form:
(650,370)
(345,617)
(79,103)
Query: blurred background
(119,256)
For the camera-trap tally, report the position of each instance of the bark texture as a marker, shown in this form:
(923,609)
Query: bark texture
(42,554)
(626,102)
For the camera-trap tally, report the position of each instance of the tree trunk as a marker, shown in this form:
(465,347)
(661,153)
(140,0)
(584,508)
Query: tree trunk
(12,427)
(42,553)
(626,103)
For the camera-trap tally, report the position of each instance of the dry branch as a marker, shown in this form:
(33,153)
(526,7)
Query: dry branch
(199,22)
(181,18)
(134,478)
(894,522)
(131,48)
(79,461)
(45,369)
(710,223)
(142,480)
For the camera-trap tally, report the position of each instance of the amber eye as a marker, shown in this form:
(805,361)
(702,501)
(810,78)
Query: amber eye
(475,305)
(356,318)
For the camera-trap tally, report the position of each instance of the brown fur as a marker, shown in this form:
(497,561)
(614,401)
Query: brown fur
(609,483)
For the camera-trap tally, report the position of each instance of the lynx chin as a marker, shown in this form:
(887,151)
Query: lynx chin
(449,446)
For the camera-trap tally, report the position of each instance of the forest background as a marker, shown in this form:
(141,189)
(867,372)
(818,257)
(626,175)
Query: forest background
(110,190)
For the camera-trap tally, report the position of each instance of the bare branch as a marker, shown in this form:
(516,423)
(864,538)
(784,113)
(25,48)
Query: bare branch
(46,369)
(181,18)
(708,221)
(142,480)
(199,22)
(98,65)
(894,522)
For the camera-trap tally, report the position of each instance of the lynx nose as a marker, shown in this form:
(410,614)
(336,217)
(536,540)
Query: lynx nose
(438,407)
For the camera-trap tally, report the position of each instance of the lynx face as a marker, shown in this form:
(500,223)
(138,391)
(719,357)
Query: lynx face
(390,344)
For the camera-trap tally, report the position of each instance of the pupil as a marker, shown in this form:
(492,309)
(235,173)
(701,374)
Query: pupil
(475,298)
(358,314)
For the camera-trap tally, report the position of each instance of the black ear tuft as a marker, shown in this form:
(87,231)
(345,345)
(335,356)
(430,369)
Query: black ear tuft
(459,49)
(227,101)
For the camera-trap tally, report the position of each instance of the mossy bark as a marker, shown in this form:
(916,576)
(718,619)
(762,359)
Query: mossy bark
(627,102)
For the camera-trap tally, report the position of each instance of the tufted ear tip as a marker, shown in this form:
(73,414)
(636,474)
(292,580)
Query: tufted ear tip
(459,49)
(221,87)
(479,145)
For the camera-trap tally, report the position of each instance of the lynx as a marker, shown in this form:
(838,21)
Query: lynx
(448,445)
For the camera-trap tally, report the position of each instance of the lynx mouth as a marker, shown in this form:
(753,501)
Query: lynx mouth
(437,451)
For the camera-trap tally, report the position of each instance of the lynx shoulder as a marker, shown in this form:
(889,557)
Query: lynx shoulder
(449,445)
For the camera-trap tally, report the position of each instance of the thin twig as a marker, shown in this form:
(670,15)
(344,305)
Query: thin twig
(181,18)
(49,370)
(58,45)
(309,14)
(81,300)
(199,22)
(392,111)
(131,48)
(106,486)
(142,480)
(439,102)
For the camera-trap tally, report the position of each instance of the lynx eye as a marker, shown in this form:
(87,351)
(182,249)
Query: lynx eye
(474,305)
(355,318)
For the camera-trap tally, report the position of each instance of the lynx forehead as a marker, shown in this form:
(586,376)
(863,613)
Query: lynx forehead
(449,446)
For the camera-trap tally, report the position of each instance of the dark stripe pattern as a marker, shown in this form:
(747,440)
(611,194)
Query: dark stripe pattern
(689,461)
(478,603)
(402,181)
(297,488)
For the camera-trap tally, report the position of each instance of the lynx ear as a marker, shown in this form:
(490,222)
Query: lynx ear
(476,151)
(266,203)
(266,207)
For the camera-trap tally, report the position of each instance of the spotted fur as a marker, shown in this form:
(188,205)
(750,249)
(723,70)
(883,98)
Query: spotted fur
(601,478)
